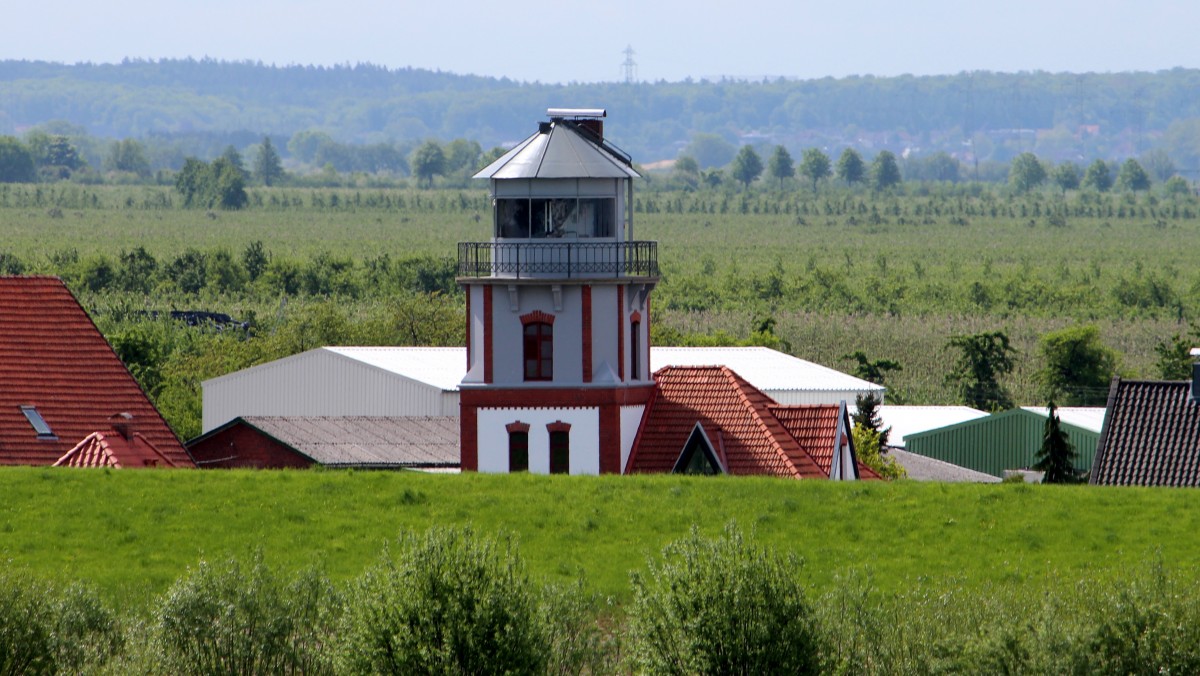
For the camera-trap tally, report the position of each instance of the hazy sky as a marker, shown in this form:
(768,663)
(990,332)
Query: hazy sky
(537,40)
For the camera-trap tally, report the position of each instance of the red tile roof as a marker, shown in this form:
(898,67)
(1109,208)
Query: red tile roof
(53,358)
(110,449)
(735,415)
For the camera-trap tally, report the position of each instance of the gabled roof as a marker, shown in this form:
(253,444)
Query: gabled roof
(815,429)
(755,441)
(905,420)
(557,151)
(768,369)
(54,359)
(1151,436)
(360,441)
(111,449)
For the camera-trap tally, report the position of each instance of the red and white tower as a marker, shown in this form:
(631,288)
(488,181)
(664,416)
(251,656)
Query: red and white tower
(558,307)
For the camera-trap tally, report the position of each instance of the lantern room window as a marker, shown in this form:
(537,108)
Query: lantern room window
(537,218)
(539,351)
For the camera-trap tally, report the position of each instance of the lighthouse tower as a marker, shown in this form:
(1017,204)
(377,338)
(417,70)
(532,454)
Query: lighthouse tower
(558,307)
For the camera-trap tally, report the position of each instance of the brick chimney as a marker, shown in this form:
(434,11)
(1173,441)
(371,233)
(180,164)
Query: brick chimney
(122,423)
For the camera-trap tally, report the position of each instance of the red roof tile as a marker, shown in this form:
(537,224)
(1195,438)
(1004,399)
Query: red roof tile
(110,449)
(53,358)
(732,412)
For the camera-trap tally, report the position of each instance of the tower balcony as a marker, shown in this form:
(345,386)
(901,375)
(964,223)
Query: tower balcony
(539,259)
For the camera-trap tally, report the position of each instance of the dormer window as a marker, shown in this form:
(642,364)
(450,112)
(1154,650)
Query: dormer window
(38,422)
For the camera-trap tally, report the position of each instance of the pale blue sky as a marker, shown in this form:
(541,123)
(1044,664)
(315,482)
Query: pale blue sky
(538,40)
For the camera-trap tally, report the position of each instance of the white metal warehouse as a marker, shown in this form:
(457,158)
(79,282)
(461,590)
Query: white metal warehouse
(423,381)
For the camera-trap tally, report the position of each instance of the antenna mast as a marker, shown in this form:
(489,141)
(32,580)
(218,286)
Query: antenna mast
(629,66)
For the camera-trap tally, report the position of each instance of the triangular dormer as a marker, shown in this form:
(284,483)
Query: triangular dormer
(699,456)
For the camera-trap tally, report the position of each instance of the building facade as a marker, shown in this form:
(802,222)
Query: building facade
(558,308)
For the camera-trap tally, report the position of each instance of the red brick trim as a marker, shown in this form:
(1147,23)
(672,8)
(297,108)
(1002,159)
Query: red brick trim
(610,439)
(517,427)
(621,333)
(635,317)
(487,334)
(586,292)
(469,445)
(648,332)
(551,397)
(558,426)
(537,317)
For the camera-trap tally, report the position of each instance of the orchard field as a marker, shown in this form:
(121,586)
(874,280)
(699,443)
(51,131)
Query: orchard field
(893,276)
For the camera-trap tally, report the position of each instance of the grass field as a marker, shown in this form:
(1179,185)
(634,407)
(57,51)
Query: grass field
(132,533)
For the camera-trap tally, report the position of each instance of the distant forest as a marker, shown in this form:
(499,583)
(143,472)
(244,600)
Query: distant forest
(976,117)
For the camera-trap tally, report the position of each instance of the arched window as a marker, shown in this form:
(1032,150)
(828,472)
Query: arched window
(539,351)
(560,447)
(518,447)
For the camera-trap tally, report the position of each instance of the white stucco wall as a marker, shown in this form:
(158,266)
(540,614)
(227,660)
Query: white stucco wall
(631,418)
(585,437)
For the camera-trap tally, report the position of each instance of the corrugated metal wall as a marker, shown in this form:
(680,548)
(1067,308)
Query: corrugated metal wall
(1003,441)
(320,383)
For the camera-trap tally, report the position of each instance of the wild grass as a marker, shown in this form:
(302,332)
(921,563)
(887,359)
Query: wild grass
(131,534)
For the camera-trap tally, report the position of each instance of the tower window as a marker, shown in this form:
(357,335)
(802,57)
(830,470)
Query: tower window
(560,452)
(539,351)
(518,450)
(635,351)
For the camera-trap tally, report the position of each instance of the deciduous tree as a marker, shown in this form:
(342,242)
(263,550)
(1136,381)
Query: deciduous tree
(780,165)
(1098,177)
(982,359)
(1132,176)
(428,161)
(1078,367)
(850,167)
(127,155)
(885,171)
(16,162)
(1066,176)
(815,166)
(746,167)
(1026,173)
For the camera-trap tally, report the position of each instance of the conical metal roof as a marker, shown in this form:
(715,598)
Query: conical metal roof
(558,152)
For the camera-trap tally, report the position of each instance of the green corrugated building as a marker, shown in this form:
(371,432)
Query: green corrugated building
(1008,440)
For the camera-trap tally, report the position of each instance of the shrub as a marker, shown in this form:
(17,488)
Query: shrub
(45,631)
(450,602)
(577,638)
(225,620)
(721,606)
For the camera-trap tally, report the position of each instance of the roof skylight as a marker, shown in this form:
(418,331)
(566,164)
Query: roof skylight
(39,423)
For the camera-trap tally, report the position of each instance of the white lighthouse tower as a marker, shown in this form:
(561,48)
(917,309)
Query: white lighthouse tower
(558,307)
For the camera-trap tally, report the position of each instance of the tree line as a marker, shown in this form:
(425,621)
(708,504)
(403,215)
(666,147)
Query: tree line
(1058,115)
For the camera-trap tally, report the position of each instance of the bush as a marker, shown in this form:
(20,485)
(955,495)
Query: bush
(450,602)
(226,620)
(721,606)
(45,631)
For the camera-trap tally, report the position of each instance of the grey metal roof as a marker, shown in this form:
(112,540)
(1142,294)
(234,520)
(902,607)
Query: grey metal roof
(921,468)
(367,441)
(560,152)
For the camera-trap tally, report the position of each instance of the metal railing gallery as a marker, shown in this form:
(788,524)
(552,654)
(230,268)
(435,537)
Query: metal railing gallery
(558,259)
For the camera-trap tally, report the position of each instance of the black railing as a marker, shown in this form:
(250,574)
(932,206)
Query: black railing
(557,259)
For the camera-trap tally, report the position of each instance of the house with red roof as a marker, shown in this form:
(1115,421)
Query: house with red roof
(65,396)
(710,420)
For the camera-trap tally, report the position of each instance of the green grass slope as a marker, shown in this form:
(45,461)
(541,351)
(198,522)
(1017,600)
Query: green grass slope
(132,533)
